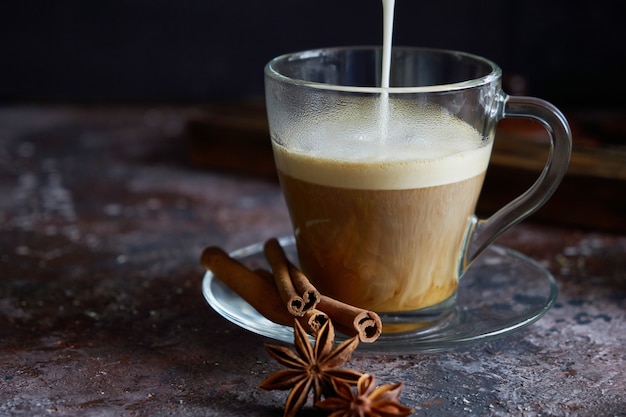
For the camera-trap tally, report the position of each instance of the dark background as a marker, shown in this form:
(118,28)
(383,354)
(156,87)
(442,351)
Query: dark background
(571,53)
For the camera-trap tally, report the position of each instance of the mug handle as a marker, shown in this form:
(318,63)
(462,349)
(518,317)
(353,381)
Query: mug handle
(482,232)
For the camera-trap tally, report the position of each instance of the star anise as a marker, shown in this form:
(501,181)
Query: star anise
(313,366)
(368,401)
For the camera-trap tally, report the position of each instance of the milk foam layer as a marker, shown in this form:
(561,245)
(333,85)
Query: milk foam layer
(423,148)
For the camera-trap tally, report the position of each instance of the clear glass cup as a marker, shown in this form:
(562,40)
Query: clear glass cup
(382,183)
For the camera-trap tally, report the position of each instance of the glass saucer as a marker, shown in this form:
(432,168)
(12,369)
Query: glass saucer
(503,291)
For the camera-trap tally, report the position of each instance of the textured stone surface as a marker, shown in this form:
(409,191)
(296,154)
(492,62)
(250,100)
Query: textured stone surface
(102,222)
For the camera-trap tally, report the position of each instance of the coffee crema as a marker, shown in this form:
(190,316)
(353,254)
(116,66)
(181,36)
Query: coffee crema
(380,221)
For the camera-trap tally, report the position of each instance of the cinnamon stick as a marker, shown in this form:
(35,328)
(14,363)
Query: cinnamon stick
(352,320)
(348,319)
(310,294)
(259,289)
(260,293)
(298,295)
(313,318)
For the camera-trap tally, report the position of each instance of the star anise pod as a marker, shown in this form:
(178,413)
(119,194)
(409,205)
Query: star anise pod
(311,367)
(368,401)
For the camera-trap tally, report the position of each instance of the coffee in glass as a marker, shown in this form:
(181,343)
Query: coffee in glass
(382,183)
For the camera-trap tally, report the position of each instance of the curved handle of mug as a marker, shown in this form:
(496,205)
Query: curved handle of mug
(483,232)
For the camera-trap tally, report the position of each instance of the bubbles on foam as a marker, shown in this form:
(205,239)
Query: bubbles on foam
(413,133)
(424,146)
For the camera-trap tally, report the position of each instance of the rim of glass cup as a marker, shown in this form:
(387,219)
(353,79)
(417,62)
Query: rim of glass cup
(493,75)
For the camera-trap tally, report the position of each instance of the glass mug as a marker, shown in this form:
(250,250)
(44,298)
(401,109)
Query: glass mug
(381,184)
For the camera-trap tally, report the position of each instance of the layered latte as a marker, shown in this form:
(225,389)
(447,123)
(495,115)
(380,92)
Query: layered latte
(380,215)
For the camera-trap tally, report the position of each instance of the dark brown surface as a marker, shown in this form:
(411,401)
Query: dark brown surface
(102,222)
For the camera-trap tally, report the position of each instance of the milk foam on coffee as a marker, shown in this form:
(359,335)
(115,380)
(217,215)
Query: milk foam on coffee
(424,147)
